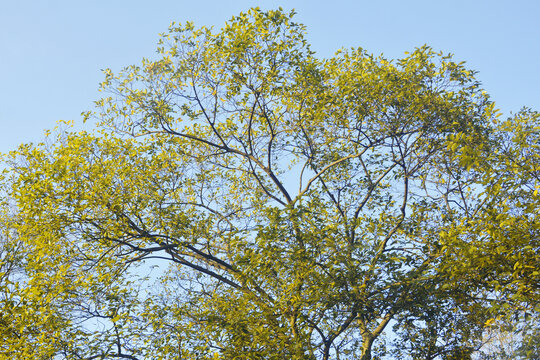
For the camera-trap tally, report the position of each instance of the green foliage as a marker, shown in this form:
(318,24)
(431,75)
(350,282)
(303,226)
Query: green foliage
(243,199)
(497,241)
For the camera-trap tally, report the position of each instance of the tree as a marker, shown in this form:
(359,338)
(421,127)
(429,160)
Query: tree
(290,207)
(498,240)
(28,322)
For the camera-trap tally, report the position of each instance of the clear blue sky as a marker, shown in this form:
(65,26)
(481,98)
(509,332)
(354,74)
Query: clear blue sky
(51,52)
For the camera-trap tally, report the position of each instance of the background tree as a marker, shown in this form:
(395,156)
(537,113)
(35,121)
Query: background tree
(293,207)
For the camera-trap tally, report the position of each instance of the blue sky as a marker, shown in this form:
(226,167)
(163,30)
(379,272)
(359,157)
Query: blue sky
(52,52)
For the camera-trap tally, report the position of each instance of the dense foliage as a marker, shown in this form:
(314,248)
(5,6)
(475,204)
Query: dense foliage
(243,199)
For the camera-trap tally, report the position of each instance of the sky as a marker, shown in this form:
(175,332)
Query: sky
(52,52)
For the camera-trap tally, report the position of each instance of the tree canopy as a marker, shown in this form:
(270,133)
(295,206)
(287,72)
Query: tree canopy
(242,198)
